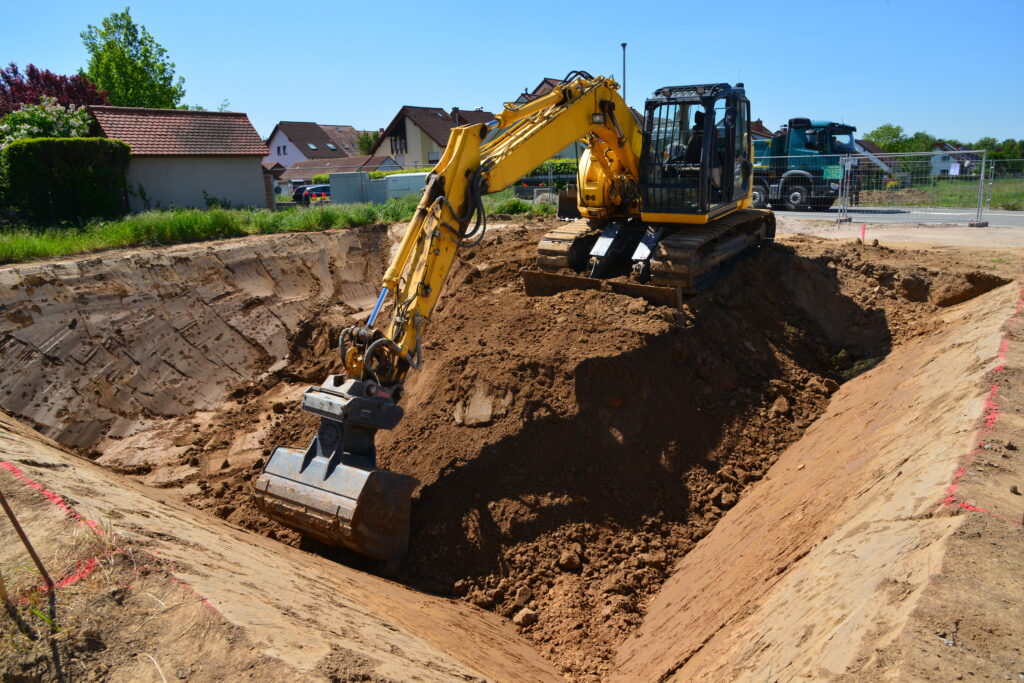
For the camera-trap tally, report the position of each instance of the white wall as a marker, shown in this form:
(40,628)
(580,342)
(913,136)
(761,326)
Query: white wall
(181,181)
(290,153)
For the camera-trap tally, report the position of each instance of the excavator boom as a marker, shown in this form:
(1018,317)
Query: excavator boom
(333,490)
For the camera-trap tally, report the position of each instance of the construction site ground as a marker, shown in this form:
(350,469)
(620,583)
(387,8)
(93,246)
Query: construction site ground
(810,471)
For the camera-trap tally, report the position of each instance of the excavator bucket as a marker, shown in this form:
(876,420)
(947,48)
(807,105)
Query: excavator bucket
(540,283)
(332,491)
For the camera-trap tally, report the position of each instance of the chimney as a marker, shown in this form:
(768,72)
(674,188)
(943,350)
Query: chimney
(455,115)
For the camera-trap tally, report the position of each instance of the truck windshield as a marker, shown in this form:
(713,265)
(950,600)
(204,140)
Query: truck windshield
(843,143)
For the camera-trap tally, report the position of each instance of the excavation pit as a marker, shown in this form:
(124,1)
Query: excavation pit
(571,448)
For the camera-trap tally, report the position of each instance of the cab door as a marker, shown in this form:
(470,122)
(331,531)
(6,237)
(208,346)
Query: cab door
(731,166)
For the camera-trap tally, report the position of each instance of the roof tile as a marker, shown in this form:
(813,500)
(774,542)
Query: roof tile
(180,132)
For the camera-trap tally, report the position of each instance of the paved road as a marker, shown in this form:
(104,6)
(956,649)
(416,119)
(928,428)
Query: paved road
(895,234)
(889,214)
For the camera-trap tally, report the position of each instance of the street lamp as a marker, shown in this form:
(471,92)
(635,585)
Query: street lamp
(623,71)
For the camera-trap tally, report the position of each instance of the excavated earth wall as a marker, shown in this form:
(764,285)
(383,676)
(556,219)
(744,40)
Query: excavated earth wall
(106,345)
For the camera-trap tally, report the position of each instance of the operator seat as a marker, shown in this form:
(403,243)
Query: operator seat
(696,142)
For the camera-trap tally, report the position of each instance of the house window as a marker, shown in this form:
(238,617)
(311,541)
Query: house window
(284,149)
(433,157)
(330,146)
(279,149)
(310,145)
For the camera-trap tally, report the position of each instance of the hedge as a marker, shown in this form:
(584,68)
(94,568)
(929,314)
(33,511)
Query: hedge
(49,181)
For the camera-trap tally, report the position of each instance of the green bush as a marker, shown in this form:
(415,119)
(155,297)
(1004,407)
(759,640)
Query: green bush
(512,206)
(320,179)
(58,180)
(554,167)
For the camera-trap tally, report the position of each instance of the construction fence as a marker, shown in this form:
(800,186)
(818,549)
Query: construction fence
(930,187)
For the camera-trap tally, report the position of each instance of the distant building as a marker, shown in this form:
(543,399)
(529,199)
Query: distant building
(953,160)
(417,136)
(294,141)
(758,131)
(182,158)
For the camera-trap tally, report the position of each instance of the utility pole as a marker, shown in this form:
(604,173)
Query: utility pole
(623,71)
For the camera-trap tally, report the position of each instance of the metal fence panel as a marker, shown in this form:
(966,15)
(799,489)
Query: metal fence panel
(928,187)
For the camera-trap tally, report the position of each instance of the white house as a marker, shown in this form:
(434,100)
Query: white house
(952,160)
(182,158)
(293,141)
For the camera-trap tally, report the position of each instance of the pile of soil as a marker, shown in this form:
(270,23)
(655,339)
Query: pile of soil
(571,448)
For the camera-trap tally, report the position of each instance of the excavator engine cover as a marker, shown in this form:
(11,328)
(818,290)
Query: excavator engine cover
(333,491)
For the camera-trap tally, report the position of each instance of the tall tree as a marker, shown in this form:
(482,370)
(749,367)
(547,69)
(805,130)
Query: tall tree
(130,65)
(18,89)
(366,141)
(888,136)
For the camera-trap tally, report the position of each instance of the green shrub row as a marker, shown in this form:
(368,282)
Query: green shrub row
(49,181)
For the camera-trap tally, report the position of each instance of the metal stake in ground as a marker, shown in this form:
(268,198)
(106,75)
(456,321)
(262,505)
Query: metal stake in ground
(26,542)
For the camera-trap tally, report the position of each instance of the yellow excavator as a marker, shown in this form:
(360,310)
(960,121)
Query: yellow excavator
(664,204)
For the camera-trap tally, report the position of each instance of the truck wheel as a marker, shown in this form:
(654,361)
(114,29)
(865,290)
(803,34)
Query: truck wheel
(759,196)
(797,198)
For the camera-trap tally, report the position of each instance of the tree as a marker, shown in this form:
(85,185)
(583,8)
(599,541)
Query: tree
(919,142)
(130,65)
(888,136)
(17,89)
(986,143)
(45,120)
(367,141)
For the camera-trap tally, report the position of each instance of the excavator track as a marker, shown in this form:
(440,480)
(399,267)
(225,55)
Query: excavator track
(686,257)
(567,246)
(685,262)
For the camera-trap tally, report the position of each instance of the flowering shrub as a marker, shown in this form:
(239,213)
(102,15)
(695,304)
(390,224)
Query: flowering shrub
(45,120)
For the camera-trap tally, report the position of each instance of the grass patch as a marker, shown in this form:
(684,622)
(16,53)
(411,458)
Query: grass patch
(1006,194)
(176,226)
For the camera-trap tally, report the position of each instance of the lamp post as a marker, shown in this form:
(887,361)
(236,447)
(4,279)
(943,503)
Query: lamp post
(623,71)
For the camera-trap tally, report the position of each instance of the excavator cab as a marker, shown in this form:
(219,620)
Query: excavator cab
(696,152)
(692,211)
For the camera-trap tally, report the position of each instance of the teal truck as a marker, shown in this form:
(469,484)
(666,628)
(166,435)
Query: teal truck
(801,168)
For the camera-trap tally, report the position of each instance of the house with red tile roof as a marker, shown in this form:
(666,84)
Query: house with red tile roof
(417,136)
(187,158)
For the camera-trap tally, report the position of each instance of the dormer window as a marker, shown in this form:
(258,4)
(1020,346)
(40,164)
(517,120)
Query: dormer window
(330,146)
(311,145)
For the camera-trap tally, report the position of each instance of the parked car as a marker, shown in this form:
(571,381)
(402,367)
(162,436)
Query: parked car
(314,194)
(297,193)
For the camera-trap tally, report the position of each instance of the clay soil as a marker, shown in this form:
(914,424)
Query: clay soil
(572,448)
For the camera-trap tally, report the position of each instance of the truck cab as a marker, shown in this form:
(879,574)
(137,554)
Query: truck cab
(800,169)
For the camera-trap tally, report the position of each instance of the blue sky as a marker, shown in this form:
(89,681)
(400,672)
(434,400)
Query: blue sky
(951,68)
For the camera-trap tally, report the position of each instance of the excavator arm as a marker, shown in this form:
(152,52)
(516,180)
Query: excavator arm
(333,491)
(483,159)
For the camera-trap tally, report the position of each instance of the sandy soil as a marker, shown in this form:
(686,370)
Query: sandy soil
(577,452)
(156,586)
